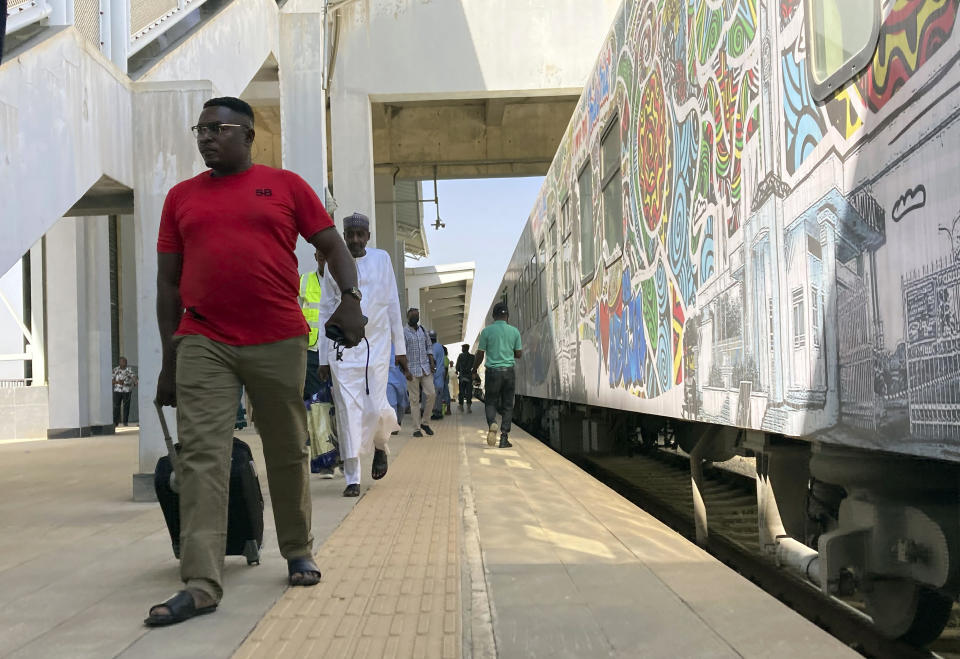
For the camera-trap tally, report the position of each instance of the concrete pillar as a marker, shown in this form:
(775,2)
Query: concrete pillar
(386,219)
(64,300)
(413,299)
(400,270)
(78,339)
(386,214)
(303,113)
(352,133)
(11,336)
(38,306)
(164,154)
(127,278)
(100,365)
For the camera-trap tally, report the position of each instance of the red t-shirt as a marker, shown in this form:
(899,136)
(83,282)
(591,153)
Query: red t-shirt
(237,234)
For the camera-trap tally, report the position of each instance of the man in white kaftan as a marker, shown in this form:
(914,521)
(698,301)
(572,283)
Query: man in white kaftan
(365,418)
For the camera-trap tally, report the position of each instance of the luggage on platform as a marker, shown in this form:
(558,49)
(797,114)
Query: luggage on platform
(245,507)
(321,429)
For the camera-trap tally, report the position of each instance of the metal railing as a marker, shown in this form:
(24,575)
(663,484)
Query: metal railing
(23,13)
(14,383)
(151,18)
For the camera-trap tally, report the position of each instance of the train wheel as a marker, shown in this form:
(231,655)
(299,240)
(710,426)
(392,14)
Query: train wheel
(904,609)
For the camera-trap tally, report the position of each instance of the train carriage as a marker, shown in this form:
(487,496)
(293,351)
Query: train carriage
(750,235)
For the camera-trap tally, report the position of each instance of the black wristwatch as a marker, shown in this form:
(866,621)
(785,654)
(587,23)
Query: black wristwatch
(355,292)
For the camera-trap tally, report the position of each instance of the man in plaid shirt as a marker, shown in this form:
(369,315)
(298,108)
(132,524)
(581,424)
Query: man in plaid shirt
(420,369)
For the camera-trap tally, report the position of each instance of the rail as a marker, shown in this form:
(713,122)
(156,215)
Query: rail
(151,18)
(23,13)
(14,383)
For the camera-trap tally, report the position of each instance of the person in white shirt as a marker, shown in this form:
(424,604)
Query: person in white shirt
(364,416)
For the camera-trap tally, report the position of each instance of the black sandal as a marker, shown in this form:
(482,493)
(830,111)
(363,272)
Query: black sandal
(379,469)
(305,567)
(182,607)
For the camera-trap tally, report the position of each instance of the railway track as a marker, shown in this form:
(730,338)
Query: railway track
(659,482)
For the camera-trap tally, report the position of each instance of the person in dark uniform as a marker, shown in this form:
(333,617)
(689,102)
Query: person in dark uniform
(464,368)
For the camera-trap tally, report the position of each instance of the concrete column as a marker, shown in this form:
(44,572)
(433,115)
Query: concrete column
(303,113)
(97,277)
(118,36)
(11,336)
(386,213)
(65,298)
(401,273)
(127,257)
(352,133)
(38,306)
(413,300)
(386,219)
(78,340)
(164,154)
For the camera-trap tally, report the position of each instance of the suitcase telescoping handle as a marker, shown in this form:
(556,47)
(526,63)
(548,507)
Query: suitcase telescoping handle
(171,451)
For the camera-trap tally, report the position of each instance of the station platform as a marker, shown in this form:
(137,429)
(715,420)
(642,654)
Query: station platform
(461,551)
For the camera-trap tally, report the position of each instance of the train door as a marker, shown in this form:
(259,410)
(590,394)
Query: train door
(567,331)
(553,303)
(805,299)
(763,318)
(858,403)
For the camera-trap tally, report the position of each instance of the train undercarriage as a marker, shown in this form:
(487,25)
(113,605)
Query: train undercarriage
(881,527)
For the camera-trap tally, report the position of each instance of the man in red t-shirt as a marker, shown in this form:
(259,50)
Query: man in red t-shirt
(227,286)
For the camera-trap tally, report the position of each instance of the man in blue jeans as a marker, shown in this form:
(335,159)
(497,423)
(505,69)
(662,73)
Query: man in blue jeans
(500,343)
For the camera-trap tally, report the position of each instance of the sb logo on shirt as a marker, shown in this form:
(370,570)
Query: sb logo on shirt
(264,192)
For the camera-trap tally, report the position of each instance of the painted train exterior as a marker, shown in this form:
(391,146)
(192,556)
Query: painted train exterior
(711,244)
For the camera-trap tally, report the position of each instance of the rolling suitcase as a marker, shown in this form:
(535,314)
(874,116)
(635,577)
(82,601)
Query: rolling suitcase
(245,507)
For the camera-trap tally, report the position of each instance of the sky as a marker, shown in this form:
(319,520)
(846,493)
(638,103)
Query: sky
(484,218)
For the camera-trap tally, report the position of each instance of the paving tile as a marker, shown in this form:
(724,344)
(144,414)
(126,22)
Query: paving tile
(85,563)
(392,568)
(535,584)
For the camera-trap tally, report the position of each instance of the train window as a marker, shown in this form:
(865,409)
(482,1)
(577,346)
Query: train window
(517,313)
(525,292)
(842,36)
(799,319)
(534,288)
(566,283)
(816,320)
(585,199)
(612,189)
(553,283)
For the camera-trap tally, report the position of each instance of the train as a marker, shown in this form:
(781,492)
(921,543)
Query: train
(748,243)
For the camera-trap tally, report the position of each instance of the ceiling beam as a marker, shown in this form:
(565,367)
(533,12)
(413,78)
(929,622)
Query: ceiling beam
(446,294)
(495,108)
(114,203)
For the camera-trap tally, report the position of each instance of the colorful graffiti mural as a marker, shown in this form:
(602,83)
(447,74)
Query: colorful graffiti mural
(753,223)
(912,33)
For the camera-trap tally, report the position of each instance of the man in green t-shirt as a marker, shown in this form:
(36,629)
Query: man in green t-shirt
(500,343)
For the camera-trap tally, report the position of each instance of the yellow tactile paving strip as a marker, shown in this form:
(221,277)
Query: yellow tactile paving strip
(391,570)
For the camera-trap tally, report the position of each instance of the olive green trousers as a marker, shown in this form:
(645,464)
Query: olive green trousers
(209,376)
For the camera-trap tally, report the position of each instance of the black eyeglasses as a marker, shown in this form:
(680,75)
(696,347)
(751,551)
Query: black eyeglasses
(216,129)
